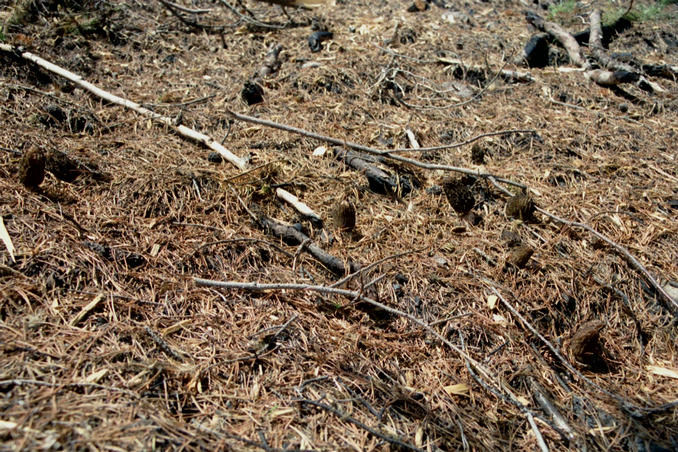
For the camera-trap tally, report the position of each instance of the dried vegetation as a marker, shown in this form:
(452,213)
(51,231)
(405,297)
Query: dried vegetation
(107,342)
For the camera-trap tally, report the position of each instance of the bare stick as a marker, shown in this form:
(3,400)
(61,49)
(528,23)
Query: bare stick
(184,131)
(288,233)
(563,36)
(350,294)
(625,403)
(540,439)
(86,310)
(369,150)
(298,205)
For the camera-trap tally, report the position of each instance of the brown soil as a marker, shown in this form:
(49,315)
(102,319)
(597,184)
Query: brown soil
(107,343)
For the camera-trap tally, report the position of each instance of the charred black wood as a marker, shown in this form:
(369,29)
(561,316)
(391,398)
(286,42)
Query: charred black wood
(379,180)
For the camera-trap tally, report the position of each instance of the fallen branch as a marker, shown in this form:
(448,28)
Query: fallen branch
(93,89)
(358,295)
(563,36)
(379,181)
(299,206)
(386,153)
(294,237)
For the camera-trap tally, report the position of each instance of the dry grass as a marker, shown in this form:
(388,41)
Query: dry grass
(162,363)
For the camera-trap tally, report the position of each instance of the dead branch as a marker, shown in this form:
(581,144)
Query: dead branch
(294,237)
(379,180)
(299,206)
(344,416)
(672,304)
(563,36)
(105,95)
(386,153)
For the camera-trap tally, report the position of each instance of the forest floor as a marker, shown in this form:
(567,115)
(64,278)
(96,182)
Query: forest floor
(500,331)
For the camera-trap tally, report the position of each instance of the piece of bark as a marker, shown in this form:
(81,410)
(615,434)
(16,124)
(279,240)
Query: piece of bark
(561,35)
(379,180)
(520,256)
(521,207)
(292,236)
(612,78)
(271,62)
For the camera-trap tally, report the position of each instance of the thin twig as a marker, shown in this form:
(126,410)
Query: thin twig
(672,304)
(367,268)
(164,346)
(632,408)
(96,91)
(27,382)
(350,294)
(346,417)
(386,153)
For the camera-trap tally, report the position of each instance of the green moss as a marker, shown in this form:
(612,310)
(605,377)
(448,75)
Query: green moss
(564,8)
(645,12)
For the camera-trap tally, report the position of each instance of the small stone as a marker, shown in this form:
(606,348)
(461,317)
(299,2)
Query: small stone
(32,168)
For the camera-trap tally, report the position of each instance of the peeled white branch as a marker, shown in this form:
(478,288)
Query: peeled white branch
(180,129)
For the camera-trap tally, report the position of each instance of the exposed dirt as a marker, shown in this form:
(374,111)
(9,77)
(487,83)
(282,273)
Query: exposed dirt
(108,343)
